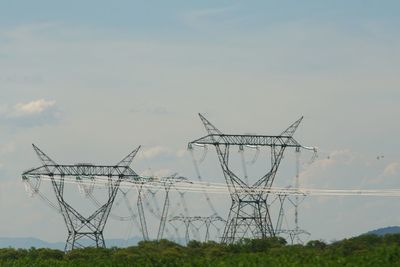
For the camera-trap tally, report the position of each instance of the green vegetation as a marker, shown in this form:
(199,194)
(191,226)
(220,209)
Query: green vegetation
(366,250)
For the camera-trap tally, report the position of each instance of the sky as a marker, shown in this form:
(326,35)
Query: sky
(90,81)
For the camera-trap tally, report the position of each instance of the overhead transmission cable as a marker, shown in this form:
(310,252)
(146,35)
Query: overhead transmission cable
(199,177)
(222,188)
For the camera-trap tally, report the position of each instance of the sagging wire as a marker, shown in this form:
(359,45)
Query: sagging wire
(149,207)
(131,217)
(251,162)
(256,155)
(222,188)
(153,198)
(84,188)
(34,190)
(241,152)
(199,177)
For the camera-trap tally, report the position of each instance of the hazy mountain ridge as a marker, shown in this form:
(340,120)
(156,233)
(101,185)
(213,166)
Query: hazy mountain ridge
(28,242)
(385,230)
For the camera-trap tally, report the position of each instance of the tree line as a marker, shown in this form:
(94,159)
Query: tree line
(365,250)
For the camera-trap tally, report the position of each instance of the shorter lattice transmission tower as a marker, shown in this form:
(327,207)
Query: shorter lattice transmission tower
(249,215)
(167,183)
(296,233)
(82,227)
(196,223)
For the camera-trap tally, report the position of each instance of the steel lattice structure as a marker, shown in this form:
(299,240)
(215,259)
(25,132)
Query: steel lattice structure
(249,214)
(198,222)
(80,227)
(167,182)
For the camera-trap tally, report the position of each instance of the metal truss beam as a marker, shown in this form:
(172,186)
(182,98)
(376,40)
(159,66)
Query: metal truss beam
(247,140)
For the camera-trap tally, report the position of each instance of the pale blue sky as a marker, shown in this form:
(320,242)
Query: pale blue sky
(88,81)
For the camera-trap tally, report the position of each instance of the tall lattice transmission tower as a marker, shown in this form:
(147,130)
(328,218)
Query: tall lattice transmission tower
(249,215)
(79,226)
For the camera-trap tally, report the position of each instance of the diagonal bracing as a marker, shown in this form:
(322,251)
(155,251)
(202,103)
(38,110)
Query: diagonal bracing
(83,227)
(249,215)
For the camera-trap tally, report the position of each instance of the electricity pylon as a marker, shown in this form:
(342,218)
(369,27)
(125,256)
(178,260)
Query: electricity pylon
(167,183)
(197,222)
(249,215)
(81,227)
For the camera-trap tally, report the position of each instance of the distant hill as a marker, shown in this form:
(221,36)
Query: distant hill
(385,230)
(27,242)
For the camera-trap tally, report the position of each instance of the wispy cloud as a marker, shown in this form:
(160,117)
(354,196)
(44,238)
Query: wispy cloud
(181,153)
(26,31)
(158,111)
(157,173)
(29,114)
(33,107)
(392,169)
(345,168)
(7,148)
(209,16)
(161,152)
(153,152)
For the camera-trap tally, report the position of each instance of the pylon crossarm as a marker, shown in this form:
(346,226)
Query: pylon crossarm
(46,160)
(246,140)
(211,129)
(80,170)
(35,172)
(127,161)
(292,128)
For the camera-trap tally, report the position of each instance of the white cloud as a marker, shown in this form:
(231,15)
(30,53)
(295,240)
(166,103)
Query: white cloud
(153,152)
(160,110)
(181,153)
(342,168)
(392,169)
(204,13)
(26,31)
(28,114)
(161,151)
(157,173)
(209,17)
(33,107)
(7,148)
(337,157)
(4,150)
